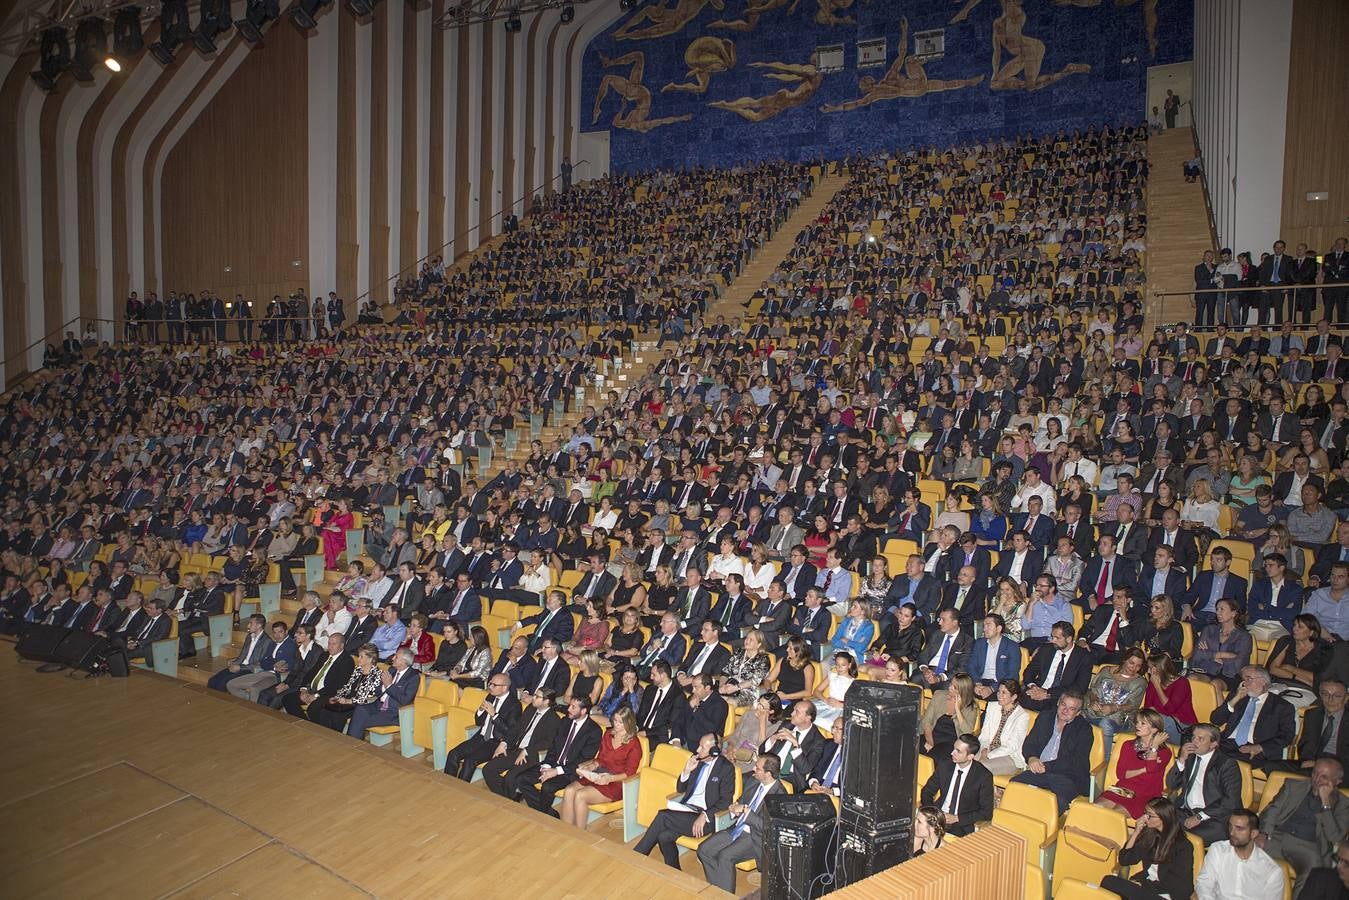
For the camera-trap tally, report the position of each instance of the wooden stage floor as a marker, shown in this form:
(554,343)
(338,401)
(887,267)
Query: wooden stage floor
(151,787)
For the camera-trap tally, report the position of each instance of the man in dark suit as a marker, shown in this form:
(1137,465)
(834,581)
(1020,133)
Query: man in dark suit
(660,704)
(1257,725)
(1110,631)
(691,602)
(1162,576)
(196,613)
(773,615)
(401,683)
(827,776)
(1131,536)
(706,787)
(517,663)
(914,586)
(744,840)
(1206,279)
(1206,783)
(495,718)
(1276,272)
(797,744)
(1081,532)
(731,610)
(328,675)
(994,657)
(521,746)
(309,614)
(305,661)
(1021,561)
(1057,668)
(1215,583)
(154,626)
(966,596)
(554,622)
(597,583)
(812,621)
(1038,526)
(961,787)
(551,671)
(577,740)
(798,575)
(362,627)
(1058,751)
(705,656)
(1323,727)
(1184,548)
(945,653)
(705,711)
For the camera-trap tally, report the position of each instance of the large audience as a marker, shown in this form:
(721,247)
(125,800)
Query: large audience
(937,447)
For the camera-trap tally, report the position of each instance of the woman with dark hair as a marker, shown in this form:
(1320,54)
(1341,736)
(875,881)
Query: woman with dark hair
(1169,694)
(1006,724)
(452,647)
(1161,850)
(754,727)
(1298,658)
(793,676)
(1222,648)
(476,664)
(1115,695)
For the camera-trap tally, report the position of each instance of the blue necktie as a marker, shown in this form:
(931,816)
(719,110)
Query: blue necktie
(831,774)
(941,657)
(1241,735)
(741,824)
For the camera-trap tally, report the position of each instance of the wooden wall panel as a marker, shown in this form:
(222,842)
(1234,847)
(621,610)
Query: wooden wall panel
(435,203)
(52,266)
(491,31)
(14,286)
(1318,130)
(407,233)
(348,242)
(235,188)
(462,135)
(378,239)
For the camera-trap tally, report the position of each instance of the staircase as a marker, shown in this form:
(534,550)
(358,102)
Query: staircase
(1179,228)
(736,299)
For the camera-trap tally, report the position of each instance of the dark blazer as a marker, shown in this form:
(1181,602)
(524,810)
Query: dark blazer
(827,750)
(691,610)
(772,622)
(469,611)
(79,615)
(1259,606)
(1123,574)
(1008,663)
(543,735)
(1309,746)
(1222,786)
(805,580)
(664,553)
(975,803)
(1076,673)
(691,724)
(1233,589)
(504,721)
(1330,823)
(1040,535)
(812,745)
(1084,539)
(604,586)
(1030,568)
(716,660)
(1175,876)
(1185,550)
(559,627)
(307,617)
(740,610)
(338,674)
(522,673)
(961,645)
(1099,621)
(1074,747)
(1326,557)
(719,790)
(559,678)
(359,633)
(398,695)
(974,607)
(159,630)
(820,623)
(926,596)
(1174,585)
(658,729)
(1275,725)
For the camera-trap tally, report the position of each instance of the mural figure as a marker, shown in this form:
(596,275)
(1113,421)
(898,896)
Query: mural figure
(825,15)
(805,80)
(1149,16)
(753,10)
(704,57)
(632,91)
(663,20)
(905,78)
(964,11)
(1025,54)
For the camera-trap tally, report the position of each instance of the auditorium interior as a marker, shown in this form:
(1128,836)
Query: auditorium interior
(675,448)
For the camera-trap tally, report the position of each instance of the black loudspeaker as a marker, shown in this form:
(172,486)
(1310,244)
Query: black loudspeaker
(863,853)
(39,642)
(82,650)
(880,755)
(798,831)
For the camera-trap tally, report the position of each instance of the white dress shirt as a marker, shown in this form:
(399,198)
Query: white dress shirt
(1226,876)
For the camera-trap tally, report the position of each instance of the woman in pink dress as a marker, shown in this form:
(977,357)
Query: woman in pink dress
(335,534)
(1141,765)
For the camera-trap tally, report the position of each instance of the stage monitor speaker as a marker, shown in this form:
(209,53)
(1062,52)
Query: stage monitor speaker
(880,755)
(39,642)
(862,853)
(797,835)
(82,650)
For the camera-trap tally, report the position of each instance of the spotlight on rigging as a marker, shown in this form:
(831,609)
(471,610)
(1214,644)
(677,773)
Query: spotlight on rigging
(257,14)
(305,12)
(127,38)
(626,5)
(568,14)
(91,48)
(54,58)
(362,9)
(213,19)
(174,31)
(513,24)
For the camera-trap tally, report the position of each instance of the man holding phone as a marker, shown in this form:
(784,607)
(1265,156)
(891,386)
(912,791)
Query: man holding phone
(706,786)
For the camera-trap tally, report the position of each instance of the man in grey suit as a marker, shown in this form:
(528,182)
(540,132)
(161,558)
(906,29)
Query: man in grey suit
(744,839)
(1305,819)
(401,682)
(785,535)
(249,661)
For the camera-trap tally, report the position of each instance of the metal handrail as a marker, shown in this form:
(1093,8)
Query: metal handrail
(11,382)
(440,250)
(1237,290)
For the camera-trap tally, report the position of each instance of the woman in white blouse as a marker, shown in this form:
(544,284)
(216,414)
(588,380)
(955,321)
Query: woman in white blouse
(759,573)
(1004,731)
(606,516)
(724,563)
(538,574)
(1201,510)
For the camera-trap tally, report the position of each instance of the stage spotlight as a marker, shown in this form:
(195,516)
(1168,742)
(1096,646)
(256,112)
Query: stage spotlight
(127,39)
(568,14)
(304,14)
(54,57)
(213,19)
(626,5)
(174,30)
(513,24)
(257,14)
(362,9)
(91,48)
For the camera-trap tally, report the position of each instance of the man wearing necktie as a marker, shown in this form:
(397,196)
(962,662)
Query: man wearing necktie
(495,717)
(704,788)
(827,776)
(797,744)
(961,787)
(1257,725)
(255,649)
(577,740)
(401,683)
(720,853)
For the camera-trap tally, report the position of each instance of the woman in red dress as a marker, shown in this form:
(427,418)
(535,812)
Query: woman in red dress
(1141,765)
(422,645)
(601,779)
(335,534)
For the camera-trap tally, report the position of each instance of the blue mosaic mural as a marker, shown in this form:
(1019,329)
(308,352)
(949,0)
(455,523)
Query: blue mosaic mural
(716,82)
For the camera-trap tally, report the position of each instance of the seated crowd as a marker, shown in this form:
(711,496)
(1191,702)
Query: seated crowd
(939,451)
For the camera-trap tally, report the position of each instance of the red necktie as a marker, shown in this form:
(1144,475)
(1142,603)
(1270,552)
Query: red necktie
(1112,639)
(1103,583)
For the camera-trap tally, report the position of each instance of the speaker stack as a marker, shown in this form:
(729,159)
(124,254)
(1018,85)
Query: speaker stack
(880,770)
(61,647)
(798,832)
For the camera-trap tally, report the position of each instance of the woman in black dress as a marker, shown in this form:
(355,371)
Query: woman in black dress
(1157,840)
(452,648)
(659,596)
(624,642)
(1298,658)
